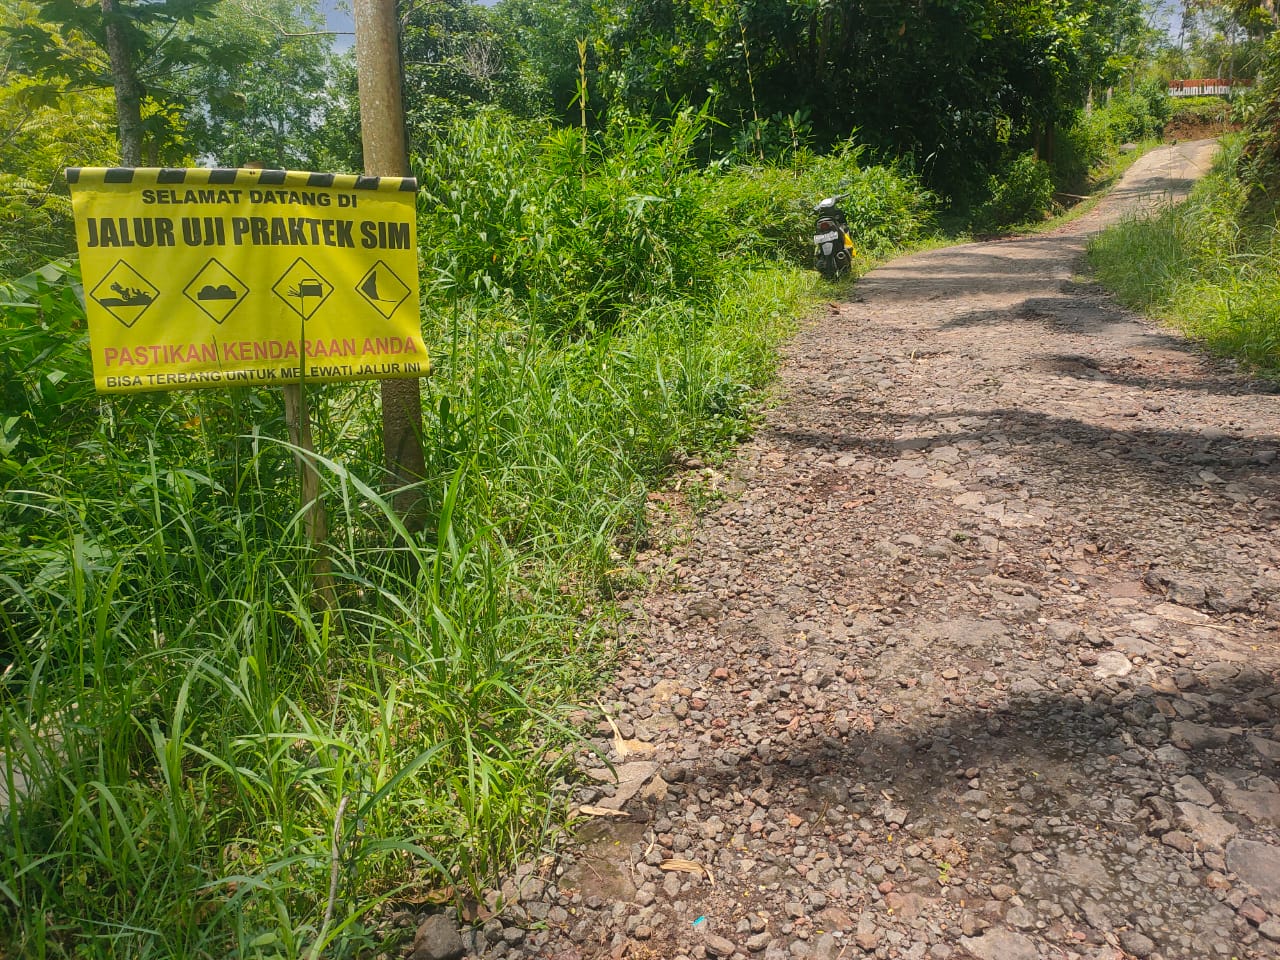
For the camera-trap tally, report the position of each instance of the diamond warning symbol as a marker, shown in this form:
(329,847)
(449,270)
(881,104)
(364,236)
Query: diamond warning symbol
(303,289)
(125,293)
(216,290)
(383,289)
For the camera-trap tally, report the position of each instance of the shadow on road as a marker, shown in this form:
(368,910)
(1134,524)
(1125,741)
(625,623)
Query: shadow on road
(1161,458)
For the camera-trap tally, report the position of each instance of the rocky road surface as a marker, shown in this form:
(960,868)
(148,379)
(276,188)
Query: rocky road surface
(977,658)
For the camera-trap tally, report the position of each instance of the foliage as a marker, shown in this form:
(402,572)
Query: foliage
(1259,164)
(459,58)
(1021,193)
(1201,111)
(947,84)
(44,363)
(42,130)
(770,208)
(579,239)
(1199,267)
(1219,38)
(1095,136)
(65,44)
(200,762)
(1140,114)
(266,103)
(545,34)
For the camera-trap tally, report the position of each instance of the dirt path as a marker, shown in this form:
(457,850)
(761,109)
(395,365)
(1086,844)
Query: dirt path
(978,659)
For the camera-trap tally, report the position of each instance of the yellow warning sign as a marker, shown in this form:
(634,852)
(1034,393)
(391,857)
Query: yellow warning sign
(200,278)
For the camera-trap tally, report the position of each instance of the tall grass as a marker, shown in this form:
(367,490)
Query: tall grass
(193,755)
(196,760)
(510,215)
(1199,267)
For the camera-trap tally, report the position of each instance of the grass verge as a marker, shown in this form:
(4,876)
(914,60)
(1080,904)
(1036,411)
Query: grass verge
(1196,267)
(198,763)
(195,760)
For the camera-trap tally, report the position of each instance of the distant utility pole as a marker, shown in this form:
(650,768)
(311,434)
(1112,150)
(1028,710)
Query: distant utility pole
(382,134)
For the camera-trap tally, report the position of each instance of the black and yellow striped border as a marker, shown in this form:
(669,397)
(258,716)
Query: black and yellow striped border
(235,176)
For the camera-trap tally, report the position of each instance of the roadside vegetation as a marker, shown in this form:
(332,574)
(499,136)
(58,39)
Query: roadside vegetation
(1211,266)
(198,762)
(196,758)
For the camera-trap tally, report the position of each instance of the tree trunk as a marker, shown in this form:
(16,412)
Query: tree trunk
(1270,7)
(383,138)
(127,88)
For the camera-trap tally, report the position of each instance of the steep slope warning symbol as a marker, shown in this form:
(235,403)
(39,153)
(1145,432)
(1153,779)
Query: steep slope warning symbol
(303,289)
(216,290)
(383,289)
(125,293)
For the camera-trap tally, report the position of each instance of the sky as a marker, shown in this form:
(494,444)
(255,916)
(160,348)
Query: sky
(337,16)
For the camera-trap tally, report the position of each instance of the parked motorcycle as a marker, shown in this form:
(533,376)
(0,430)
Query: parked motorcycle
(832,246)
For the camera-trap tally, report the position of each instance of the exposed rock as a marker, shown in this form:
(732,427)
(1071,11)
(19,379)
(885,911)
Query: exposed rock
(1258,805)
(1257,864)
(438,938)
(1000,943)
(1083,871)
(1137,943)
(1208,828)
(867,935)
(1193,791)
(1197,736)
(1112,664)
(718,946)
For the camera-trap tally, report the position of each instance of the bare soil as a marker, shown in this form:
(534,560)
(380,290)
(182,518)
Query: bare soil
(1191,128)
(977,657)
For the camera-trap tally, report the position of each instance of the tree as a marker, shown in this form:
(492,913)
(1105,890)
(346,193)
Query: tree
(270,102)
(42,130)
(457,58)
(1225,38)
(134,48)
(1259,163)
(382,124)
(949,83)
(544,35)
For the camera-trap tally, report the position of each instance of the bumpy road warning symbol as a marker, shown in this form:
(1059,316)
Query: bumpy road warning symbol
(383,289)
(125,293)
(303,289)
(216,290)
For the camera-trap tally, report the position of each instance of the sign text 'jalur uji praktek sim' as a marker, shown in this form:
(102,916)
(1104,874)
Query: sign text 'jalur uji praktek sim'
(197,278)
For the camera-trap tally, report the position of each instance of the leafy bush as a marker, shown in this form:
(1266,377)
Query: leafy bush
(1080,149)
(1021,192)
(35,225)
(579,233)
(1259,163)
(1140,114)
(44,360)
(1200,111)
(770,209)
(1094,137)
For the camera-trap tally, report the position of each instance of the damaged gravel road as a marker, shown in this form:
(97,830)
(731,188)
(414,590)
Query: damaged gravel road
(978,657)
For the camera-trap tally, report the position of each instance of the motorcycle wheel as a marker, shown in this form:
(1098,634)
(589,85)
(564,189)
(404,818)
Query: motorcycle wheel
(826,266)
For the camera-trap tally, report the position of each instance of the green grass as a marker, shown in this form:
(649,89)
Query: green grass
(1197,268)
(214,767)
(200,760)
